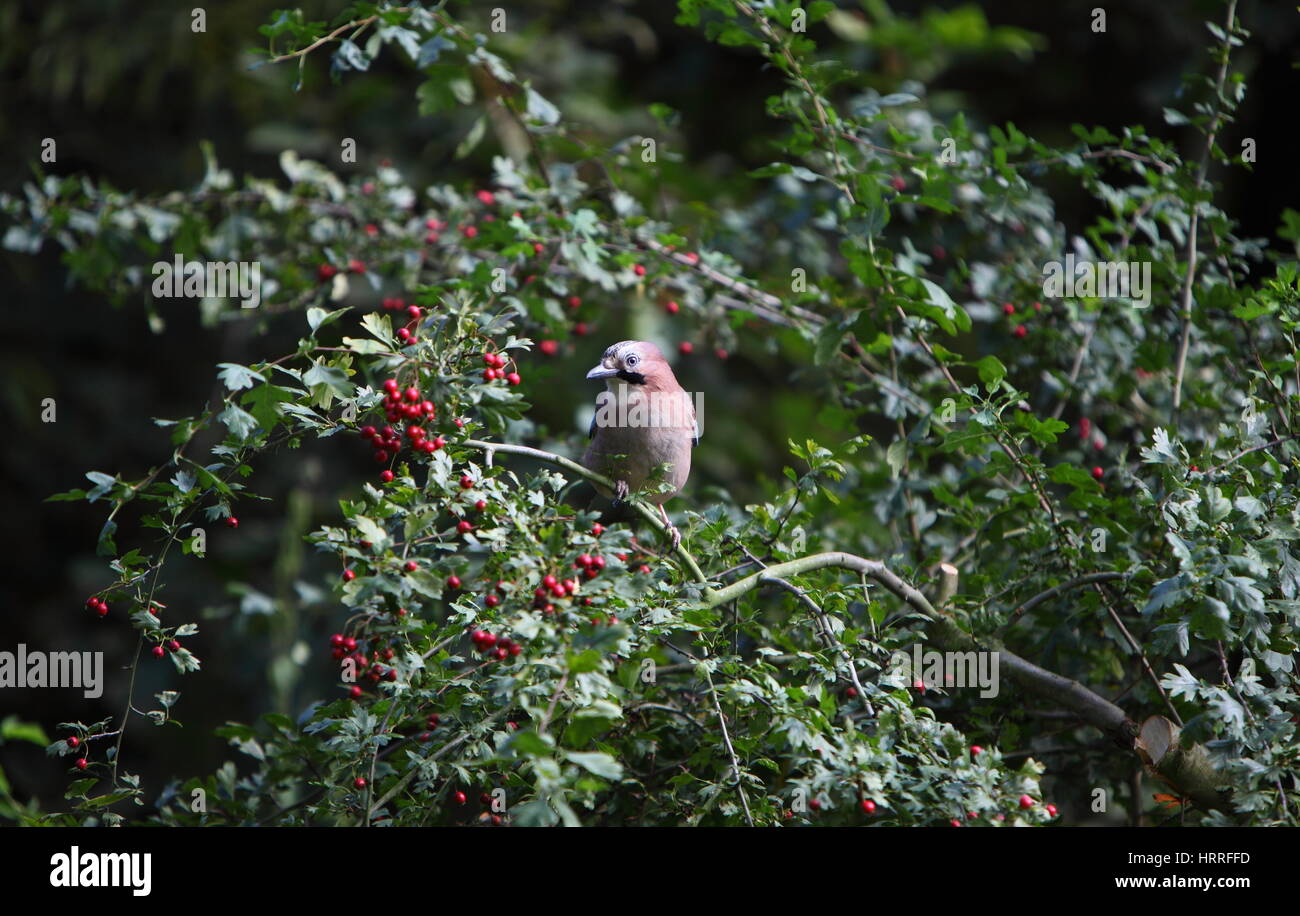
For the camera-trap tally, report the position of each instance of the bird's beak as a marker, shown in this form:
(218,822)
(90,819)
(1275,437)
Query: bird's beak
(602,371)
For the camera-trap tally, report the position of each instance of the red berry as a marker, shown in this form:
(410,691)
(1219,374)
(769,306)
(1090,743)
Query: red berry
(720,353)
(348,575)
(480,505)
(174,645)
(232,522)
(386,476)
(81,764)
(898,182)
(489,374)
(815,804)
(74,741)
(1085,427)
(102,609)
(469,232)
(597,529)
(404,335)
(1008,308)
(356,267)
(976,750)
(575,302)
(1098,473)
(159,651)
(550,581)
(644,568)
(868,806)
(1020,331)
(919,685)
(851,693)
(487,198)
(459,797)
(514,378)
(390,385)
(1026,801)
(686,348)
(464,527)
(491,600)
(639,270)
(359,782)
(453,581)
(548,347)
(671,307)
(1038,306)
(538,247)
(1051,810)
(326,271)
(411,566)
(955,822)
(466,482)
(355,692)
(414,432)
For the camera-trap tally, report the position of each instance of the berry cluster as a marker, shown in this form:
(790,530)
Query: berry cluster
(498,647)
(98,605)
(590,566)
(347,647)
(161,650)
(401,405)
(496,368)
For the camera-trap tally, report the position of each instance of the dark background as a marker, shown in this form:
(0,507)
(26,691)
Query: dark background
(128,92)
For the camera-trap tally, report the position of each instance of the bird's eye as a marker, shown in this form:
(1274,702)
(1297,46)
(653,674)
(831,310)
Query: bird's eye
(632,360)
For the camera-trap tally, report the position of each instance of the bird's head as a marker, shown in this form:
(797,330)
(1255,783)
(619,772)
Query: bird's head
(635,362)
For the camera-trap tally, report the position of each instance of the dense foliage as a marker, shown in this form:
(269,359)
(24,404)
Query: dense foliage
(1113,483)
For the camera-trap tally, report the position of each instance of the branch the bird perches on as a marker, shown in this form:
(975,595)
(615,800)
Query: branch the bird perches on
(1199,783)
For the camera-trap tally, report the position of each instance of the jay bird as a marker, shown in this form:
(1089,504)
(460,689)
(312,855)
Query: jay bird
(644,427)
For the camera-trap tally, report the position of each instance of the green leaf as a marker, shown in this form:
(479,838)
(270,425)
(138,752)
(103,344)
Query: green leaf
(596,762)
(317,317)
(14,729)
(991,371)
(236,377)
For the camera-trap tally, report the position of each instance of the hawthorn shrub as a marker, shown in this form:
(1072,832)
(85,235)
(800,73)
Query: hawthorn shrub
(1101,492)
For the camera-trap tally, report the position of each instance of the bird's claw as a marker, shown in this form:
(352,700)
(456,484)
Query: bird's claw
(620,492)
(675,536)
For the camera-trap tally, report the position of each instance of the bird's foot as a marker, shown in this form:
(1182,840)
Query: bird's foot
(673,534)
(620,492)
